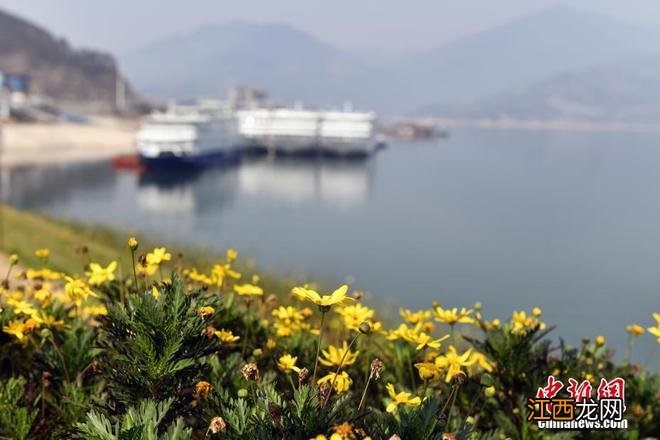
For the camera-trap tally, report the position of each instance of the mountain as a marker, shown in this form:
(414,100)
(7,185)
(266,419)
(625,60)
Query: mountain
(293,65)
(77,78)
(628,91)
(522,52)
(290,64)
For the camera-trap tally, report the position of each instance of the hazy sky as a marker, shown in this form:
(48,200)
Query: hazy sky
(122,25)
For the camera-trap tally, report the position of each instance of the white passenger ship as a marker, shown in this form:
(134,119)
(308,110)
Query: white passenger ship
(189,135)
(299,131)
(212,131)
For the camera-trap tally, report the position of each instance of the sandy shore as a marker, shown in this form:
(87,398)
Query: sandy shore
(47,143)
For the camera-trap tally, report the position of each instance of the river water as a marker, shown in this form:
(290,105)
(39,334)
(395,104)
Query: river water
(569,222)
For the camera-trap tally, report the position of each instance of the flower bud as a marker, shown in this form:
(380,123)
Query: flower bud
(217,425)
(489,391)
(133,243)
(13,259)
(365,328)
(303,374)
(250,371)
(459,378)
(202,390)
(486,380)
(376,367)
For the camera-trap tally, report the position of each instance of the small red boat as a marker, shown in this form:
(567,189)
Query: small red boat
(129,162)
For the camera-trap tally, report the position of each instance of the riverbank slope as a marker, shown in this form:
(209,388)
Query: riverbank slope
(48,143)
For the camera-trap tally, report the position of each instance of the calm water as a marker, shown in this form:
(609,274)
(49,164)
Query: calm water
(566,221)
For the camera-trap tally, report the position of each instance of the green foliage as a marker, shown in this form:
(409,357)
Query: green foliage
(143,422)
(16,418)
(171,364)
(154,348)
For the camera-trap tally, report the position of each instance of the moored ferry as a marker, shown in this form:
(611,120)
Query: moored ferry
(189,136)
(304,132)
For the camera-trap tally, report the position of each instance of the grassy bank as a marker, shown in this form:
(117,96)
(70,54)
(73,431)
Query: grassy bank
(218,350)
(23,232)
(72,245)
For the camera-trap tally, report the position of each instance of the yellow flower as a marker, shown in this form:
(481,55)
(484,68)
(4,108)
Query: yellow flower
(423,340)
(43,274)
(202,390)
(96,310)
(99,275)
(226,336)
(354,315)
(157,256)
(49,321)
(404,332)
(536,312)
(194,275)
(287,363)
(270,344)
(220,272)
(344,431)
(415,317)
(42,253)
(402,398)
(154,292)
(490,391)
(342,382)
(13,259)
(206,311)
(148,270)
(655,331)
(31,324)
(289,313)
(635,330)
(338,297)
(333,356)
(43,294)
(521,323)
(77,290)
(453,316)
(428,370)
(600,341)
(248,290)
(231,254)
(16,328)
(132,243)
(480,359)
(22,307)
(452,362)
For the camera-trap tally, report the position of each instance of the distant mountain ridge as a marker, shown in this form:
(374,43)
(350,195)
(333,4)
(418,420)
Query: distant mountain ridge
(84,77)
(527,50)
(287,62)
(293,65)
(623,92)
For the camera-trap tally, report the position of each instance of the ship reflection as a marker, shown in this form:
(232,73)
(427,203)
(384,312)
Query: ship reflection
(191,191)
(97,192)
(341,184)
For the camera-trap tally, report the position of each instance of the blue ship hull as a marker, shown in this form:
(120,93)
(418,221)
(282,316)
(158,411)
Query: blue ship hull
(174,162)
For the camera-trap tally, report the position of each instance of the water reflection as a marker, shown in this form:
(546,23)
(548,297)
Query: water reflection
(39,187)
(191,193)
(332,182)
(514,219)
(340,183)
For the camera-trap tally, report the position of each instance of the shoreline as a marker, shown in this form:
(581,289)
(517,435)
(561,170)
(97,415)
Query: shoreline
(506,123)
(25,144)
